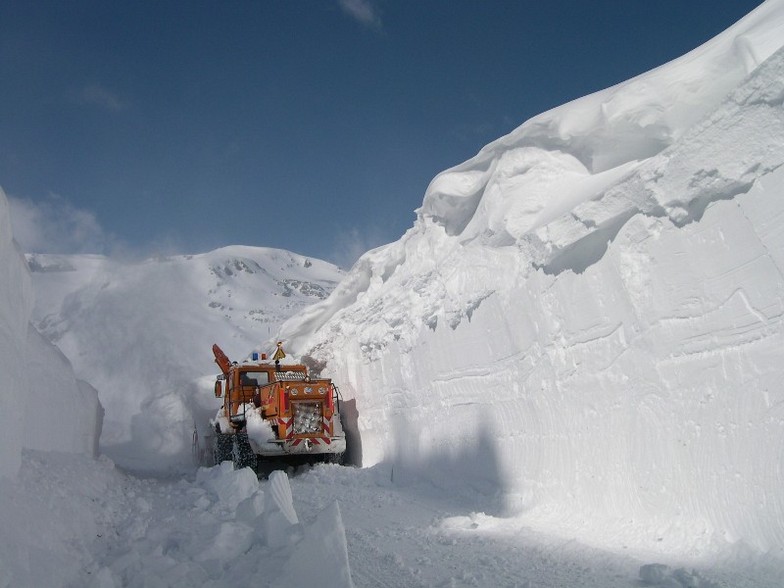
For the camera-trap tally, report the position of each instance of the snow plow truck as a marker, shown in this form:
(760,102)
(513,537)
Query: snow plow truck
(274,413)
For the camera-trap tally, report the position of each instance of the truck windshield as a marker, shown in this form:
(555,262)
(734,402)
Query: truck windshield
(254,378)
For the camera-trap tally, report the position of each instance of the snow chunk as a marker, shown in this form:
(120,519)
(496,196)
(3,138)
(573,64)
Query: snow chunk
(230,486)
(231,540)
(45,408)
(279,519)
(260,433)
(322,553)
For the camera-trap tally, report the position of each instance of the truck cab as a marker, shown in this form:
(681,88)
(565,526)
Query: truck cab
(273,410)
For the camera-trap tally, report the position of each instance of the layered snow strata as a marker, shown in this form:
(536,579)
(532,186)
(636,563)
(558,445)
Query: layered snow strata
(598,343)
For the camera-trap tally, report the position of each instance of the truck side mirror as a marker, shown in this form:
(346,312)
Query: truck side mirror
(218,389)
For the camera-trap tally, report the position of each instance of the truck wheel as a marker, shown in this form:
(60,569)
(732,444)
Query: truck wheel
(242,455)
(222,447)
(338,458)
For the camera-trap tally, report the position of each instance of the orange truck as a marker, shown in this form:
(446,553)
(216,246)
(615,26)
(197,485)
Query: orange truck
(275,412)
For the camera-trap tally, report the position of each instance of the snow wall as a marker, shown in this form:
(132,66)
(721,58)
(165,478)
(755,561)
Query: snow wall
(42,404)
(15,308)
(584,325)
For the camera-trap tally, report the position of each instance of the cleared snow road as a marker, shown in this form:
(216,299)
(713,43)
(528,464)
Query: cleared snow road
(221,527)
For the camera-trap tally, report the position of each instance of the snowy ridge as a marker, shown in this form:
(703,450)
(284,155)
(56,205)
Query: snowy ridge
(516,184)
(584,325)
(142,333)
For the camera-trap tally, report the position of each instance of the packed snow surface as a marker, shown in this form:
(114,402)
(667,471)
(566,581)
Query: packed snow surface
(585,321)
(326,526)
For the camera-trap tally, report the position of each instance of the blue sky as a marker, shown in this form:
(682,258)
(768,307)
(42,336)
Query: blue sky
(310,125)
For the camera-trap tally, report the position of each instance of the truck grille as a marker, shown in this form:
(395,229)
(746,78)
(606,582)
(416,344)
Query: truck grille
(307,417)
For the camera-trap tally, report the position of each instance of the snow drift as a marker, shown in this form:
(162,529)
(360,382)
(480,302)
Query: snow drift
(584,325)
(223,528)
(42,404)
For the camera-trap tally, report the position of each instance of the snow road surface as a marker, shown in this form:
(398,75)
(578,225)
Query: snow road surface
(342,526)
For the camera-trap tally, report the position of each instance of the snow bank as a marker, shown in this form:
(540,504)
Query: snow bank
(62,413)
(50,516)
(586,317)
(42,405)
(280,519)
(15,307)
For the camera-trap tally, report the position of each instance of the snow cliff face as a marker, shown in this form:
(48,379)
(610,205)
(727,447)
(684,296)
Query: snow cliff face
(142,333)
(585,322)
(15,306)
(42,404)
